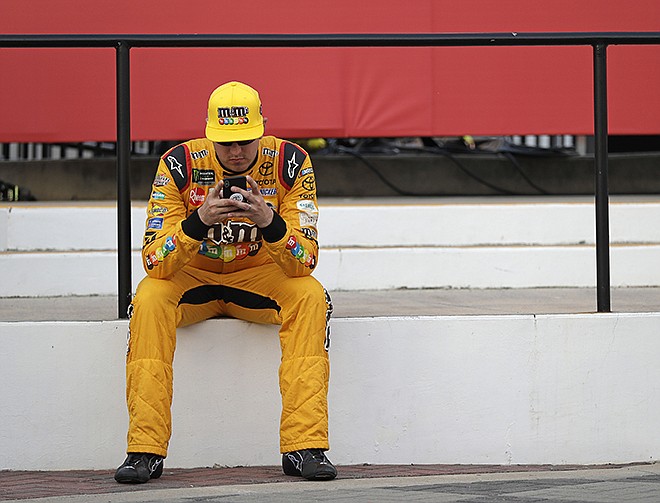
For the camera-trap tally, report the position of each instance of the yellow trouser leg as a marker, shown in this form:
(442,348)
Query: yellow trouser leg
(151,345)
(304,373)
(305,369)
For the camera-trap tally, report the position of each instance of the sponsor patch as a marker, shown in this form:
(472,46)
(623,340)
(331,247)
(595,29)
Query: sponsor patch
(155,223)
(158,211)
(158,196)
(265,182)
(233,115)
(197,196)
(310,233)
(307,220)
(175,165)
(231,232)
(266,168)
(309,213)
(209,251)
(307,206)
(292,165)
(203,176)
(177,161)
(161,180)
(200,154)
(291,160)
(309,183)
(299,252)
(229,253)
(170,244)
(157,256)
(150,260)
(268,192)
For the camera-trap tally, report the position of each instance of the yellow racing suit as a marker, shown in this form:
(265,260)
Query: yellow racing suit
(234,269)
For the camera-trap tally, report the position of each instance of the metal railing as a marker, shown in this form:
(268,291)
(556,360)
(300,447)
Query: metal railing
(123,43)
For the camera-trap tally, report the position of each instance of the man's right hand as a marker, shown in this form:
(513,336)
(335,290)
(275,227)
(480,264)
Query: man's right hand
(215,208)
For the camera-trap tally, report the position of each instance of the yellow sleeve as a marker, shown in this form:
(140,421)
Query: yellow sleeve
(166,248)
(296,251)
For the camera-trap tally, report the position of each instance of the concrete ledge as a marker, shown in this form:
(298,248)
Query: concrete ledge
(69,249)
(556,389)
(41,274)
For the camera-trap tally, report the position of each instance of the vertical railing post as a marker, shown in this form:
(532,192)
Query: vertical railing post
(602,189)
(123,178)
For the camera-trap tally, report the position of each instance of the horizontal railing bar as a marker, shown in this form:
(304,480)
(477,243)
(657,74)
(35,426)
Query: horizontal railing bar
(330,40)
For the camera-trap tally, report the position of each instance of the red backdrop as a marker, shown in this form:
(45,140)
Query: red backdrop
(49,95)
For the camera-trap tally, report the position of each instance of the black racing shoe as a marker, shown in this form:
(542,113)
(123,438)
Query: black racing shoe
(308,463)
(139,468)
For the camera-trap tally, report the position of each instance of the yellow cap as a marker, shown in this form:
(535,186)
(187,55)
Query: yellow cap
(234,113)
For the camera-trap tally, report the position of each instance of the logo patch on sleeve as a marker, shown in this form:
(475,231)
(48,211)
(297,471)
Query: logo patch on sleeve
(290,162)
(177,162)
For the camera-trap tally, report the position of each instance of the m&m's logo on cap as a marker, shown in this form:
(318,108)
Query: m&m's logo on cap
(233,115)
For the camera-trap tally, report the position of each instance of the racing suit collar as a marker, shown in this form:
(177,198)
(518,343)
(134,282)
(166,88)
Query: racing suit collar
(230,172)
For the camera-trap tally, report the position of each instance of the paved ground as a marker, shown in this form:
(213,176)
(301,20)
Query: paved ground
(639,483)
(378,303)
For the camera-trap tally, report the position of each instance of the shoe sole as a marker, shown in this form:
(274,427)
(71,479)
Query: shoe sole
(328,476)
(130,480)
(127,479)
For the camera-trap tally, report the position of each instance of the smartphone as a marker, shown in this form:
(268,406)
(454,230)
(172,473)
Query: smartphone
(234,181)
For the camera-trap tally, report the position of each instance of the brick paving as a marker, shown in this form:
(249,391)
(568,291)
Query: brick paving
(16,485)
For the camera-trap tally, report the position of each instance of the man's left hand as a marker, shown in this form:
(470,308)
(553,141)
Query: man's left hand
(254,207)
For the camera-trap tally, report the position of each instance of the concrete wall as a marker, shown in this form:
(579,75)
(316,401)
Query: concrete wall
(347,176)
(466,389)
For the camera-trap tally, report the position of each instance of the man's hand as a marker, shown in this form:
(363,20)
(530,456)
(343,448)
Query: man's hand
(216,209)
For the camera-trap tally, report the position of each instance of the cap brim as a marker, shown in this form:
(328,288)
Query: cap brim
(227,134)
